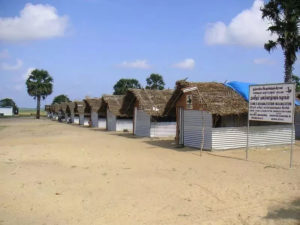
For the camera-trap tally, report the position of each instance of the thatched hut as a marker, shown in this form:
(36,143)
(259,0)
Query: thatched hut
(148,107)
(96,119)
(115,119)
(64,106)
(57,111)
(48,110)
(70,111)
(213,116)
(79,111)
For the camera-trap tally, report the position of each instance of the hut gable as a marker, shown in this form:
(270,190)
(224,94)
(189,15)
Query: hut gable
(64,106)
(114,104)
(80,106)
(57,107)
(71,106)
(153,102)
(213,97)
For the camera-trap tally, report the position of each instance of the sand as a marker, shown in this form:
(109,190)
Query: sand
(55,173)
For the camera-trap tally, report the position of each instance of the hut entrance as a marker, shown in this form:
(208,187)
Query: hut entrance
(196,129)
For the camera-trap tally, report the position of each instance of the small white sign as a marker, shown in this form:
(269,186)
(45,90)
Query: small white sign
(272,103)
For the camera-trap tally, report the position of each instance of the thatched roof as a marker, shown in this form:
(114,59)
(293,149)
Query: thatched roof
(94,103)
(153,102)
(71,106)
(213,97)
(114,104)
(57,107)
(64,106)
(79,106)
(47,108)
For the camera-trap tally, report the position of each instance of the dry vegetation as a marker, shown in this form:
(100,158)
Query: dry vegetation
(54,173)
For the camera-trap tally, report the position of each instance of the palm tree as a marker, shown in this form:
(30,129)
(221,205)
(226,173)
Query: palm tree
(285,23)
(39,85)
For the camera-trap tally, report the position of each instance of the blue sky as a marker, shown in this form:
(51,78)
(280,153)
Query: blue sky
(88,45)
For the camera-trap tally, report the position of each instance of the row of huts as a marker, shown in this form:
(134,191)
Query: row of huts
(206,115)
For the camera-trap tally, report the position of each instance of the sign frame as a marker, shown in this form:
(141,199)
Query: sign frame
(268,121)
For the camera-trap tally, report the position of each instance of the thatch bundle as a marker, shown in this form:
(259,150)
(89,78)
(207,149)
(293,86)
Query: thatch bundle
(114,104)
(213,97)
(153,102)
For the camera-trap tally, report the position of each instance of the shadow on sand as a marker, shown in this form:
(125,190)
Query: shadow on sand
(292,211)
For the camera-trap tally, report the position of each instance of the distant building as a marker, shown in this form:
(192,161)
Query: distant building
(6,111)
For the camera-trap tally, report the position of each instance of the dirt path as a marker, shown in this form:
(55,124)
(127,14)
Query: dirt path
(53,173)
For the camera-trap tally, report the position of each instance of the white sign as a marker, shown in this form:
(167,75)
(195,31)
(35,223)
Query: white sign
(272,103)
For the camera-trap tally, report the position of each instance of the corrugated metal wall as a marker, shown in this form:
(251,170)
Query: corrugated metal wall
(124,124)
(76,120)
(94,119)
(197,127)
(81,119)
(163,129)
(236,137)
(102,123)
(111,121)
(7,111)
(142,123)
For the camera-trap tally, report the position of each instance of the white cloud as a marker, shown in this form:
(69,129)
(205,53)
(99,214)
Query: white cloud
(28,72)
(137,64)
(263,61)
(4,54)
(18,65)
(246,29)
(34,22)
(185,64)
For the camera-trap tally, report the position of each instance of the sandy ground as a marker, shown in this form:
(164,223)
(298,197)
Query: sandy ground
(54,173)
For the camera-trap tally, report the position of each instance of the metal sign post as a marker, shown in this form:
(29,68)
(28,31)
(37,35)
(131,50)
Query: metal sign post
(272,103)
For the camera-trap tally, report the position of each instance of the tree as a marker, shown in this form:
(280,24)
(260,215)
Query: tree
(284,18)
(123,85)
(60,98)
(155,81)
(6,102)
(296,80)
(39,85)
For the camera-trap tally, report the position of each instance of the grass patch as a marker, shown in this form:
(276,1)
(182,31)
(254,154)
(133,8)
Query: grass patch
(30,112)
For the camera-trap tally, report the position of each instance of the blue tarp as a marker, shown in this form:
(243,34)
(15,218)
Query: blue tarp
(243,89)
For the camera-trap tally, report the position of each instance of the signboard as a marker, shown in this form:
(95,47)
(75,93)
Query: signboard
(272,103)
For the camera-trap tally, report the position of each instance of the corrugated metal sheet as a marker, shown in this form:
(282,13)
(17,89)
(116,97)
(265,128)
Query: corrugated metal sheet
(142,123)
(94,119)
(163,129)
(81,119)
(236,137)
(86,121)
(76,120)
(124,124)
(102,123)
(111,121)
(197,127)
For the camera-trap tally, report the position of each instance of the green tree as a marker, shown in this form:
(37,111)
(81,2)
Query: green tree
(9,102)
(296,80)
(155,81)
(123,85)
(284,18)
(39,85)
(60,98)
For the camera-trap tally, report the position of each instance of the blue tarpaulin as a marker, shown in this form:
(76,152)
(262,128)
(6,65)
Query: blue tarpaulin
(243,89)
